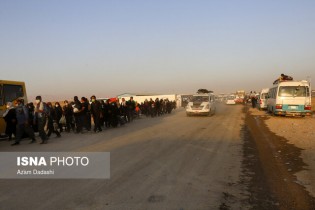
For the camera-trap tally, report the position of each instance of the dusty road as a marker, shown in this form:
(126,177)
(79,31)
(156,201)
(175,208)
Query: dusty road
(171,162)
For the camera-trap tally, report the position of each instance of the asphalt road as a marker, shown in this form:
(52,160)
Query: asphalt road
(169,162)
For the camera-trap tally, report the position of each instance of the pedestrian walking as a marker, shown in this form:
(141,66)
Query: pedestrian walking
(77,112)
(22,125)
(96,111)
(68,113)
(10,119)
(31,109)
(253,99)
(131,109)
(52,121)
(124,109)
(86,113)
(40,119)
(58,113)
(107,113)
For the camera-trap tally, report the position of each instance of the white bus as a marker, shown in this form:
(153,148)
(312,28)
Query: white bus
(201,104)
(263,98)
(290,98)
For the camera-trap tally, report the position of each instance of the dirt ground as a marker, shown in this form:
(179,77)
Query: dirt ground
(301,133)
(291,152)
(240,158)
(170,162)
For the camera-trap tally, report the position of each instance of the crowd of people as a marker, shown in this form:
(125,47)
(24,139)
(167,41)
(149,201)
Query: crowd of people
(76,116)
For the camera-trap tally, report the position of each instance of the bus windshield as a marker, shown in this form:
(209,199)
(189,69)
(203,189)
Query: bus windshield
(200,99)
(11,93)
(232,97)
(294,91)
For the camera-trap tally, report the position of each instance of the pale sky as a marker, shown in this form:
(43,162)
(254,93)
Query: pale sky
(63,48)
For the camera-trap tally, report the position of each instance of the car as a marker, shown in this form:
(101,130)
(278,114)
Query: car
(230,99)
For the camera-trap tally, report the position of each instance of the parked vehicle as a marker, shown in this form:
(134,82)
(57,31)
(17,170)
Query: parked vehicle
(262,105)
(201,104)
(231,99)
(240,96)
(10,91)
(290,98)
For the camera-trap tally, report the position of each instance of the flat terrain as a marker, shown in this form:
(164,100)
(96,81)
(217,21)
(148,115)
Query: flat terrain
(173,162)
(293,146)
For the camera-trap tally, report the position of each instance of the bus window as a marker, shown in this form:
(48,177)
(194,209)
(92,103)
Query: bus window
(12,92)
(200,99)
(264,96)
(293,91)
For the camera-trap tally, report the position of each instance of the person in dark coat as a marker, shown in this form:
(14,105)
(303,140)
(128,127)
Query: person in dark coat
(77,112)
(152,107)
(124,109)
(10,119)
(107,113)
(114,114)
(22,126)
(52,121)
(157,107)
(58,112)
(86,113)
(68,113)
(169,106)
(131,109)
(146,108)
(96,111)
(102,120)
(253,99)
(31,109)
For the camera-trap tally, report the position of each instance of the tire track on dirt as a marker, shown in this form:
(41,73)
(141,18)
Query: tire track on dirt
(266,157)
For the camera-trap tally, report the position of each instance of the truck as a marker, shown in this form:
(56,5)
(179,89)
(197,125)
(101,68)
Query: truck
(239,96)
